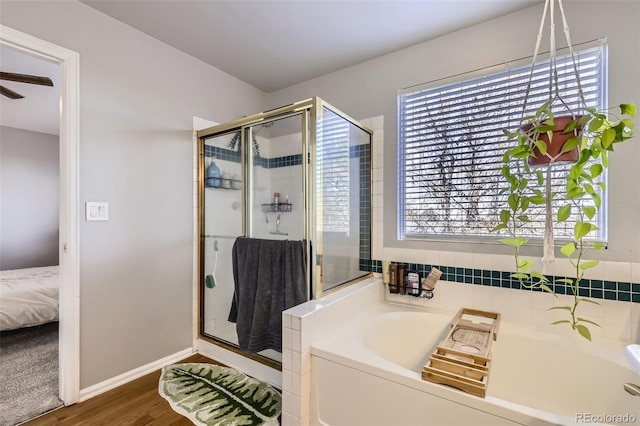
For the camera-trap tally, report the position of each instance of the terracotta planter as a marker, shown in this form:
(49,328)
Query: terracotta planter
(557,142)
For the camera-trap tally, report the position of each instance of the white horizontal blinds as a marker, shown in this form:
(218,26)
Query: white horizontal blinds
(333,172)
(452,143)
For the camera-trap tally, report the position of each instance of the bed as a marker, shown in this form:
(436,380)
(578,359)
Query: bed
(28,297)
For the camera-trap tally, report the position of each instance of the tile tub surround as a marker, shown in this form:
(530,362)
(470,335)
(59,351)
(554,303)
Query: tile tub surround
(305,323)
(623,291)
(619,320)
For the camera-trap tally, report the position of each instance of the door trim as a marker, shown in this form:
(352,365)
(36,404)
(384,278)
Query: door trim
(69,340)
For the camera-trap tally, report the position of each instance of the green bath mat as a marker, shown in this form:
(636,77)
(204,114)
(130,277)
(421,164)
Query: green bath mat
(211,395)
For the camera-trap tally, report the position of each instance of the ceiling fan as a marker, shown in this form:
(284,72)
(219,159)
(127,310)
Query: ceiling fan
(21,78)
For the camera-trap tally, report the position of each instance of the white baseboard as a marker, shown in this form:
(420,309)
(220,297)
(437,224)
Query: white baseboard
(120,380)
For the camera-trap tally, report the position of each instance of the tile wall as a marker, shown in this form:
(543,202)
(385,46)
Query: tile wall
(303,324)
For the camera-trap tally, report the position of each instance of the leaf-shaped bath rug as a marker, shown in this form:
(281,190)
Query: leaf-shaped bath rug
(211,395)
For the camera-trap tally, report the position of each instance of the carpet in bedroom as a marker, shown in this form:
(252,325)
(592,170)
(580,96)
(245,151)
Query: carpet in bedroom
(28,373)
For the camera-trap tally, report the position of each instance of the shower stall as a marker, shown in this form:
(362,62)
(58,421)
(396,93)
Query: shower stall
(301,172)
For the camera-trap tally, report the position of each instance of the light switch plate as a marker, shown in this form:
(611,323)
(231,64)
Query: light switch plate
(97,210)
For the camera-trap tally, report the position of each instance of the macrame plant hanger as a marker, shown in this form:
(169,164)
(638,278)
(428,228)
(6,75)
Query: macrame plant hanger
(554,96)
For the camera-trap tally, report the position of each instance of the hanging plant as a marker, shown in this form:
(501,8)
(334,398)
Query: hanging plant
(585,138)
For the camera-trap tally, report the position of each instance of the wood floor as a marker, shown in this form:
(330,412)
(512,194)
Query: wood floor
(135,403)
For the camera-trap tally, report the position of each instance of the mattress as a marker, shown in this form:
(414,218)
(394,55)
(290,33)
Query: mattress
(28,297)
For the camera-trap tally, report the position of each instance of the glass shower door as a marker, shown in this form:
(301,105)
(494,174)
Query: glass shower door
(343,200)
(277,196)
(223,223)
(264,200)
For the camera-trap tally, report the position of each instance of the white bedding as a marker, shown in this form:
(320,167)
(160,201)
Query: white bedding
(28,297)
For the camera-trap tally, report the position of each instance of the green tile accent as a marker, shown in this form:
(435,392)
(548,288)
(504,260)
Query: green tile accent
(597,289)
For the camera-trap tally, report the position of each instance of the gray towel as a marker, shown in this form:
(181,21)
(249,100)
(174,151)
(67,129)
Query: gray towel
(269,277)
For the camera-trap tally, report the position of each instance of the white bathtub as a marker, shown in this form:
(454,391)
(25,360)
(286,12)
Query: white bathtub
(369,373)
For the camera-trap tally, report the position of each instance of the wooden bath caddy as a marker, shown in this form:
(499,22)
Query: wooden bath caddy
(463,359)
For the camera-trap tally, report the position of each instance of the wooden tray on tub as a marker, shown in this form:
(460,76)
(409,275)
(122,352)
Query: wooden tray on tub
(463,359)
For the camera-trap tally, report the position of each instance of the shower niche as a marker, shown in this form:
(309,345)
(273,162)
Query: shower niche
(300,173)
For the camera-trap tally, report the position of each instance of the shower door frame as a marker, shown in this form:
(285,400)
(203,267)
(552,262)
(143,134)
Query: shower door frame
(310,111)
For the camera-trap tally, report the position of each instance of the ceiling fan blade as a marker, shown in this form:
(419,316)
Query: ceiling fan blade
(10,93)
(25,78)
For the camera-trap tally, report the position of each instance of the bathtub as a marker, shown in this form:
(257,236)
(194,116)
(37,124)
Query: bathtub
(369,373)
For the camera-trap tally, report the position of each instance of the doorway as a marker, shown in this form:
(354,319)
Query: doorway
(68,242)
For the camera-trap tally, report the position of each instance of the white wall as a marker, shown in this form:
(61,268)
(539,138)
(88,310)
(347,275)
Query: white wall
(370,89)
(138,97)
(29,186)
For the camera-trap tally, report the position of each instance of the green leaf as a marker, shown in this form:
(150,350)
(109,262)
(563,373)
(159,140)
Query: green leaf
(607,137)
(596,199)
(589,264)
(581,229)
(565,280)
(571,144)
(561,322)
(588,301)
(548,290)
(513,202)
(564,213)
(540,177)
(587,321)
(584,331)
(629,109)
(539,276)
(574,193)
(575,171)
(595,125)
(505,215)
(524,265)
(589,189)
(596,170)
(598,245)
(498,227)
(568,249)
(538,199)
(523,184)
(514,242)
(573,124)
(566,308)
(543,108)
(523,218)
(520,276)
(589,211)
(542,146)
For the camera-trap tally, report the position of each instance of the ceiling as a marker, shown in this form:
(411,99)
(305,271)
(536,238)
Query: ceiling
(39,109)
(269,44)
(276,44)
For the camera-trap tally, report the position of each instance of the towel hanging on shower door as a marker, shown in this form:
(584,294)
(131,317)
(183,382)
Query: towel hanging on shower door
(269,277)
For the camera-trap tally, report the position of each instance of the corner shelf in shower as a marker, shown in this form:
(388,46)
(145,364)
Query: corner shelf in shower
(276,207)
(224,183)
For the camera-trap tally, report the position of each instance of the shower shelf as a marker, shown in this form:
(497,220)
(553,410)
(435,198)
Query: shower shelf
(276,207)
(232,184)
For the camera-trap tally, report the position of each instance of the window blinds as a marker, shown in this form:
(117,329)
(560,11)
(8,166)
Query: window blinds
(451,144)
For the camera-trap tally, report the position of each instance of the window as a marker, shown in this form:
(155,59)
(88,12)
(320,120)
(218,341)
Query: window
(451,144)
